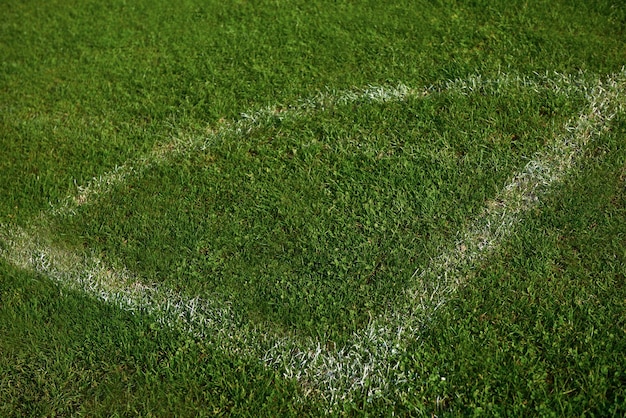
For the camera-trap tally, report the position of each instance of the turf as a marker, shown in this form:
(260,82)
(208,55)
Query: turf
(87,86)
(542,325)
(109,362)
(309,220)
(318,223)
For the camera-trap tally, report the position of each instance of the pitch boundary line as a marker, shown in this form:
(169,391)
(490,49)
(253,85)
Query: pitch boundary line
(369,362)
(186,144)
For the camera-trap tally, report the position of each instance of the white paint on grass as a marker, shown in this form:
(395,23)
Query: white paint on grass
(210,320)
(370,363)
(189,142)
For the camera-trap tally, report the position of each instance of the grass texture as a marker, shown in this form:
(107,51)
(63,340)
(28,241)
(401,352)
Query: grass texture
(302,208)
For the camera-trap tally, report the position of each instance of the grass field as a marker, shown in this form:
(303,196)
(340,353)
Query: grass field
(305,208)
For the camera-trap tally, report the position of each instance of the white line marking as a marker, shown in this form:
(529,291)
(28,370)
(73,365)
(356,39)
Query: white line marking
(369,364)
(205,318)
(187,143)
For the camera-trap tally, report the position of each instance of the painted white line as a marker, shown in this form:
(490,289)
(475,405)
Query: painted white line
(187,143)
(369,363)
(210,320)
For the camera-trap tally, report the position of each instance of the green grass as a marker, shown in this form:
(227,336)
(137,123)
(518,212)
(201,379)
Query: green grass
(86,86)
(318,223)
(64,354)
(313,221)
(543,323)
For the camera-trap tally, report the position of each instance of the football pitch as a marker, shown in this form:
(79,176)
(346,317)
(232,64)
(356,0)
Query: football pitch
(300,209)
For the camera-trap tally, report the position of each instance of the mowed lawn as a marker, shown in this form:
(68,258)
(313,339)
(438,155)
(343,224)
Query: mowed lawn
(309,219)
